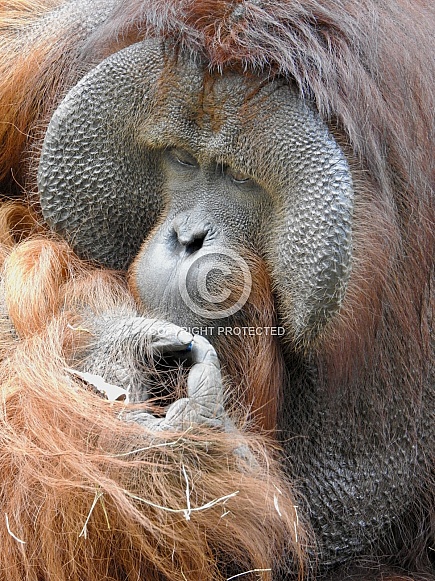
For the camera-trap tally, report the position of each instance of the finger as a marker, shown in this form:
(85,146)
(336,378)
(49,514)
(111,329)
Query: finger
(166,337)
(155,334)
(204,382)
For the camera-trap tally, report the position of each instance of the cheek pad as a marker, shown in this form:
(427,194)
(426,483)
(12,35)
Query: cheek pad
(98,184)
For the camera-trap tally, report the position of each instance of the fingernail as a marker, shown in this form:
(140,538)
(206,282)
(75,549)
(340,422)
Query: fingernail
(184,337)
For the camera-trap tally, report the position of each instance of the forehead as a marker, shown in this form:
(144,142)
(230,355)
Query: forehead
(205,111)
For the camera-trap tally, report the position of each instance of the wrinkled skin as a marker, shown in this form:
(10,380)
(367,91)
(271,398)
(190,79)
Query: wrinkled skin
(194,186)
(205,179)
(157,160)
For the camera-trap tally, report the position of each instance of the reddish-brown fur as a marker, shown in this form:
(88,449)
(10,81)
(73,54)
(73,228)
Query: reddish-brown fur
(67,458)
(257,372)
(370,70)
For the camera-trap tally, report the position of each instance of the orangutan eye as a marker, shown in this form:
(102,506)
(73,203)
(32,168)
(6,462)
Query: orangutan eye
(238,176)
(183,157)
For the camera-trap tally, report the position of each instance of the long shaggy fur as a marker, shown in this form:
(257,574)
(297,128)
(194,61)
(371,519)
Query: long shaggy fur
(85,495)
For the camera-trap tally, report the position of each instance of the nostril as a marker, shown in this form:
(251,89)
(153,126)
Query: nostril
(195,245)
(191,231)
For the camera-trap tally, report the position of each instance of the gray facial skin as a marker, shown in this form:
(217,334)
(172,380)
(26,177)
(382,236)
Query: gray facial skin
(107,168)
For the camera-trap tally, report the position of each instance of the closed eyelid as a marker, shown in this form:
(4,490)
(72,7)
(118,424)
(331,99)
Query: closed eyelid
(183,157)
(238,176)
